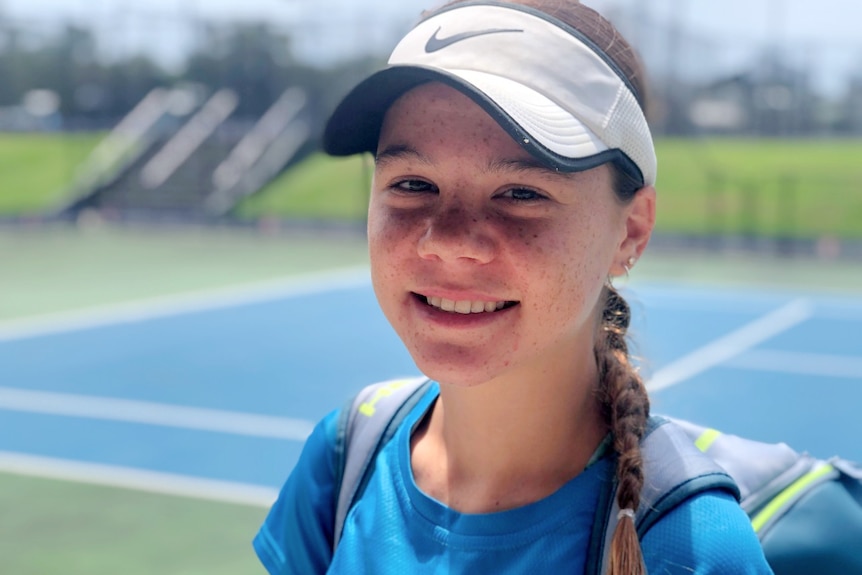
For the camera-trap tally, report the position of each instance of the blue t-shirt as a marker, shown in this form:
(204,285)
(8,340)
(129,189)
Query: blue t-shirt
(395,528)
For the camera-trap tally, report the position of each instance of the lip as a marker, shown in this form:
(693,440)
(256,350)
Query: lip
(457,320)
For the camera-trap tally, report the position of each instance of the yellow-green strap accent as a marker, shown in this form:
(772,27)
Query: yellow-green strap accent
(706,439)
(785,496)
(368,408)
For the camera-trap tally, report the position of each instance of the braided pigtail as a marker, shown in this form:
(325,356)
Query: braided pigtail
(626,409)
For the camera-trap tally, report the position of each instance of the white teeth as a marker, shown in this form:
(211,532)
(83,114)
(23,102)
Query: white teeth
(465,306)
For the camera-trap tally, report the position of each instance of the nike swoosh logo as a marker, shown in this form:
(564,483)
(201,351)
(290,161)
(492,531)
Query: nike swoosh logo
(435,43)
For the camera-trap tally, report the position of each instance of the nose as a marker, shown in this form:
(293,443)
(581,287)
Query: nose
(457,234)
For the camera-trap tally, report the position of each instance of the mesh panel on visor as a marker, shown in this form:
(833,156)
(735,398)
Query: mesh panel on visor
(627,129)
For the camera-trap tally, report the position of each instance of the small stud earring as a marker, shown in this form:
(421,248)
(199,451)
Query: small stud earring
(630,263)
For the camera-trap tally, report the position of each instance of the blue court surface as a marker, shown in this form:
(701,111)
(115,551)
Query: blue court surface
(212,394)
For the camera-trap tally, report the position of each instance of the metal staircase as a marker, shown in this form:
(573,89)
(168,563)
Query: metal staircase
(203,166)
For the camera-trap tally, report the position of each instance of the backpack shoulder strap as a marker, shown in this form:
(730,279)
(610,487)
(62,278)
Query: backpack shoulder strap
(771,476)
(674,470)
(364,426)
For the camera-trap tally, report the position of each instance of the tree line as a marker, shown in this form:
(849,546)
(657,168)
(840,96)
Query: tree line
(252,59)
(255,60)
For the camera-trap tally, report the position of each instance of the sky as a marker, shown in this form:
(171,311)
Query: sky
(823,35)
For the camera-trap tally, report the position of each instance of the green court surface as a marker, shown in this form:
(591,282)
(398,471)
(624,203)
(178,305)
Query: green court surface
(53,527)
(50,269)
(751,269)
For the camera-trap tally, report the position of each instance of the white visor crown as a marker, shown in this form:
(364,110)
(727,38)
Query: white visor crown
(547,87)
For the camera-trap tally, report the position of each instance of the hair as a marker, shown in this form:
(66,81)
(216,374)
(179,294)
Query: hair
(622,393)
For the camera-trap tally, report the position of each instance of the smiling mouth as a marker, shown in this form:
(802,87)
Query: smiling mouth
(465,306)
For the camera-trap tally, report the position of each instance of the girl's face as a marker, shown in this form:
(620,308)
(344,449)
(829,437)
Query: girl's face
(486,263)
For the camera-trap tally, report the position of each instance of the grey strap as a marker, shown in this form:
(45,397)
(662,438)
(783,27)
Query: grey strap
(761,470)
(362,432)
(674,470)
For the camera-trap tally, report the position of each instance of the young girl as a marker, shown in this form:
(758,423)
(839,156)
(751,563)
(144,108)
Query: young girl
(514,175)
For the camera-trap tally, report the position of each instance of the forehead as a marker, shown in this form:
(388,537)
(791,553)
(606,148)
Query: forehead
(435,115)
(436,103)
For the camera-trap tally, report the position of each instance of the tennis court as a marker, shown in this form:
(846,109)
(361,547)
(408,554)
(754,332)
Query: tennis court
(210,393)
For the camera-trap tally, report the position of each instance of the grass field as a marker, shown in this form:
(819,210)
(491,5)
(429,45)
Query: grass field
(53,527)
(320,187)
(37,169)
(768,188)
(805,188)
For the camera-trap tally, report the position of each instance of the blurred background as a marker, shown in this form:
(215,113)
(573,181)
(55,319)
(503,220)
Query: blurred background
(160,148)
(210,112)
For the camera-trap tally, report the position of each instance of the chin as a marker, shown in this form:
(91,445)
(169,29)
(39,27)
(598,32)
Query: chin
(456,373)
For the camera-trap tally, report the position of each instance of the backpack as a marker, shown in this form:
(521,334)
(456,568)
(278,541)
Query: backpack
(807,512)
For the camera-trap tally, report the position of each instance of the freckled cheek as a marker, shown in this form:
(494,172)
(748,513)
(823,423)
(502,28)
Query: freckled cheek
(386,232)
(533,252)
(390,247)
(566,273)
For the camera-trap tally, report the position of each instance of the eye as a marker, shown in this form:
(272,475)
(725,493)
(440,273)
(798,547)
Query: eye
(414,186)
(522,195)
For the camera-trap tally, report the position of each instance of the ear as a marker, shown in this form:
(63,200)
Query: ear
(639,217)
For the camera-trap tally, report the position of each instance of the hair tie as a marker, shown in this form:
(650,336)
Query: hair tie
(626,513)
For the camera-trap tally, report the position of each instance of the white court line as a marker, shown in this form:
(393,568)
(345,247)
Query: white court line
(731,345)
(817,364)
(137,479)
(189,302)
(151,413)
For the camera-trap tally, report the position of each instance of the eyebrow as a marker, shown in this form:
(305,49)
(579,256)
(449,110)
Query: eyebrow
(523,165)
(400,152)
